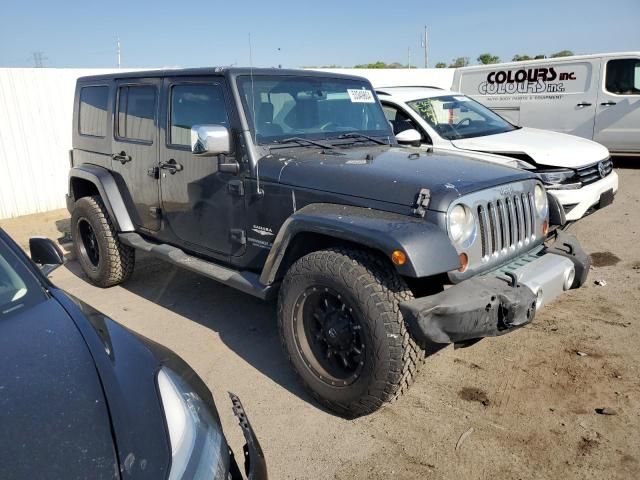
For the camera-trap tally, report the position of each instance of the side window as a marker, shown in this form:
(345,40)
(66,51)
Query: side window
(93,111)
(136,112)
(623,76)
(195,105)
(399,120)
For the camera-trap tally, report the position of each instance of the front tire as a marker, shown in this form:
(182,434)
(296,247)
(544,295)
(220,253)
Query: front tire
(342,329)
(104,259)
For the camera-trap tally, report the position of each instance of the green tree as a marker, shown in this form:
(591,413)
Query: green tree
(378,64)
(487,58)
(441,65)
(562,53)
(459,62)
(520,58)
(539,57)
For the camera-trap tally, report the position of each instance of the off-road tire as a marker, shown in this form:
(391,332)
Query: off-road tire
(369,282)
(116,260)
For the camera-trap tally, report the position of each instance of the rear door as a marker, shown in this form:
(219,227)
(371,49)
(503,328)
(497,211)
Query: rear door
(618,111)
(203,207)
(135,148)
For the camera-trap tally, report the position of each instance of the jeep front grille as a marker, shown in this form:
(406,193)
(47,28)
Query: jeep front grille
(506,223)
(591,173)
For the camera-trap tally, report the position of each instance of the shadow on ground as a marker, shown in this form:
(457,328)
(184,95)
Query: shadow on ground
(248,326)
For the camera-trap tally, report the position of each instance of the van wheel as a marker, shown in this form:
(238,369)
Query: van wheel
(104,259)
(342,330)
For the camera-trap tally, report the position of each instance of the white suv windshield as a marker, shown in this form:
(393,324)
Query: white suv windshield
(278,107)
(456,116)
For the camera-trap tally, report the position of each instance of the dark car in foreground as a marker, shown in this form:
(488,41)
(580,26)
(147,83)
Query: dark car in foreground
(83,397)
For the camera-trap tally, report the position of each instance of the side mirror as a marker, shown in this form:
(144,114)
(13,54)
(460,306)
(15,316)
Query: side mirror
(210,140)
(409,137)
(45,253)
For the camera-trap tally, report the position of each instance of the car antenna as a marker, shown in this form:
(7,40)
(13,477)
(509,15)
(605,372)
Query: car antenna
(253,115)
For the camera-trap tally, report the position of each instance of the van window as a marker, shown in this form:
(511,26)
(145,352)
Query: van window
(195,105)
(623,76)
(136,112)
(93,111)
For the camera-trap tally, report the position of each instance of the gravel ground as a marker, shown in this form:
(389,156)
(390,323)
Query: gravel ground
(519,406)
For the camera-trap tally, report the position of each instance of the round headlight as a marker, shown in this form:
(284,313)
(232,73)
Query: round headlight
(540,197)
(461,224)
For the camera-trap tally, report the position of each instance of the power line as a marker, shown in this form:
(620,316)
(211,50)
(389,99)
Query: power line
(38,59)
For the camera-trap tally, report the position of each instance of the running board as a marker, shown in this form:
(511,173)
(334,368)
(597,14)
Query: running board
(247,282)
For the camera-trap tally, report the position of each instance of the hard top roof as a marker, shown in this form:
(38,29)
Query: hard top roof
(217,71)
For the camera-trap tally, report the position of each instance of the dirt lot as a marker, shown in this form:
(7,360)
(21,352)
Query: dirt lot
(519,406)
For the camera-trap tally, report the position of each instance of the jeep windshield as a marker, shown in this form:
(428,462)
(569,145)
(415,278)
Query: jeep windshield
(280,107)
(455,117)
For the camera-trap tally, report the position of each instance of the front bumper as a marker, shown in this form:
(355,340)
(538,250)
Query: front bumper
(500,301)
(583,199)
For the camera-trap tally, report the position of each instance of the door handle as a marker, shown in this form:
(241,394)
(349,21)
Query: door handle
(583,104)
(172,166)
(121,157)
(608,104)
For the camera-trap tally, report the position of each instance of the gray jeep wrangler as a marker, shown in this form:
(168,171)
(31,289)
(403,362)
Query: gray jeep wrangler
(291,183)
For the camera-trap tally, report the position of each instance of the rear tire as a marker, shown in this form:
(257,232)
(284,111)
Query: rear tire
(343,332)
(104,259)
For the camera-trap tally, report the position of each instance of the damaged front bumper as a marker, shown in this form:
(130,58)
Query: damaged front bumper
(255,465)
(500,301)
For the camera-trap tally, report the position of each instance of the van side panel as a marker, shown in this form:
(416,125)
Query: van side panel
(525,93)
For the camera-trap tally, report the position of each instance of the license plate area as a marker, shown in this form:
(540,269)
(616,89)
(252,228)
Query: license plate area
(606,198)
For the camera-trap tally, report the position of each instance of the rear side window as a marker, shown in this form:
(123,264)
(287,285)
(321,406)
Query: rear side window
(93,111)
(195,105)
(623,76)
(136,112)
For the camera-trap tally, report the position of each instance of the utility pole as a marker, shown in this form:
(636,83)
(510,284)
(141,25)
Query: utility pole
(425,45)
(408,57)
(118,50)
(38,59)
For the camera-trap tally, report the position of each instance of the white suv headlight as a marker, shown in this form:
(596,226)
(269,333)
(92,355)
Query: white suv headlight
(198,447)
(461,224)
(540,200)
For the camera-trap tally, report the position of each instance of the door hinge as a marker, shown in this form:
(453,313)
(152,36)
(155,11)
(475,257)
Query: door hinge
(236,187)
(422,202)
(155,212)
(238,235)
(154,172)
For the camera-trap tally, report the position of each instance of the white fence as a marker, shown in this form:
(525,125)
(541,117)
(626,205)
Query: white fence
(36,109)
(400,77)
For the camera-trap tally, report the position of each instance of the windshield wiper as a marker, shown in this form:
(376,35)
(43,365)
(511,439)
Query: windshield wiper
(362,135)
(303,141)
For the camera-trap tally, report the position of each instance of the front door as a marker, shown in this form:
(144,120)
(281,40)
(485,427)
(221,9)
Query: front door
(618,114)
(135,149)
(201,205)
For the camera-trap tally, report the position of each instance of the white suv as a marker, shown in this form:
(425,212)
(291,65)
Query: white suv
(577,171)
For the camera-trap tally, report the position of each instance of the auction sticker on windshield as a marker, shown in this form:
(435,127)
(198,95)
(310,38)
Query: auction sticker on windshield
(360,96)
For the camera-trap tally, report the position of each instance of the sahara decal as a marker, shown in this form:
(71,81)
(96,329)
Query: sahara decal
(531,80)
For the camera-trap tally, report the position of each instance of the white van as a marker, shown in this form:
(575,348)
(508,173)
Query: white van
(593,96)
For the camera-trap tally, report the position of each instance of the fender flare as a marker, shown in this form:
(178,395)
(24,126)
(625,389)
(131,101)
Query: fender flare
(428,248)
(109,192)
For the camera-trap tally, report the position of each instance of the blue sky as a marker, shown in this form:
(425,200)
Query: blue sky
(205,33)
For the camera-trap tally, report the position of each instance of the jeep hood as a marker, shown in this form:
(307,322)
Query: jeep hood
(546,148)
(386,173)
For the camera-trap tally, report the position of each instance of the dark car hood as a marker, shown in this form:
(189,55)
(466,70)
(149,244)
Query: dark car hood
(54,421)
(386,173)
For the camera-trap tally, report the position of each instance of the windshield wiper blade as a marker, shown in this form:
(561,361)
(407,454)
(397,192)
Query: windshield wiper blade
(303,141)
(362,135)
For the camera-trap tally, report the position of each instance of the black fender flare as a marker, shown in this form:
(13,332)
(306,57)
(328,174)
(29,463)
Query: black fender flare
(427,247)
(109,192)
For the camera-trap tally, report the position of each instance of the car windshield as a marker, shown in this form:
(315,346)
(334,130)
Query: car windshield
(280,107)
(19,289)
(456,116)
